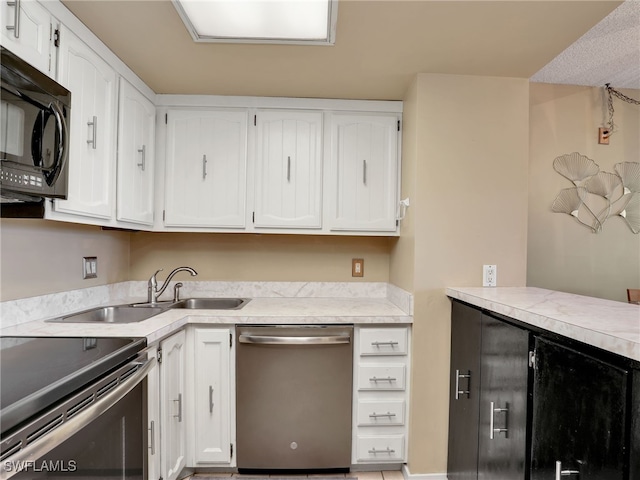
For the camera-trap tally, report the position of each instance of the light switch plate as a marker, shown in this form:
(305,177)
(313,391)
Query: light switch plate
(89,267)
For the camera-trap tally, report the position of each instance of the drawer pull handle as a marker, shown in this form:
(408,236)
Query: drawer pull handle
(388,379)
(563,473)
(463,392)
(387,450)
(390,343)
(379,415)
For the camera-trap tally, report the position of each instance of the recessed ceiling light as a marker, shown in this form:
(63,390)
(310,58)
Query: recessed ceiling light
(307,22)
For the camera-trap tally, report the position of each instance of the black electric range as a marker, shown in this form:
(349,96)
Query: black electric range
(38,372)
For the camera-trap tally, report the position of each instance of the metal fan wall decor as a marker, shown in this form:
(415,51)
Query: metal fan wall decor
(597,196)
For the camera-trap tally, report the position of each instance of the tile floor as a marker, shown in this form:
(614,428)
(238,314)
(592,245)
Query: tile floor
(383,475)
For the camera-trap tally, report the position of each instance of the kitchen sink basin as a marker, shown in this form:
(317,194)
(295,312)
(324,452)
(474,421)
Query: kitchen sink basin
(114,314)
(212,303)
(142,311)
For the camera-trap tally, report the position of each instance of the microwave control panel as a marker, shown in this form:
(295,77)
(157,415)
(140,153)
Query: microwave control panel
(13,177)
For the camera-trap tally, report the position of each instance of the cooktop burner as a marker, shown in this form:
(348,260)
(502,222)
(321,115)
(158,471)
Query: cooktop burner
(36,372)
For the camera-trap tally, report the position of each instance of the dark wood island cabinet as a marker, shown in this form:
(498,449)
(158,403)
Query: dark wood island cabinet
(529,404)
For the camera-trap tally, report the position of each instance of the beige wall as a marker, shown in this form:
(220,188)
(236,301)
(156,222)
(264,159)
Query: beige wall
(39,257)
(247,257)
(467,174)
(562,254)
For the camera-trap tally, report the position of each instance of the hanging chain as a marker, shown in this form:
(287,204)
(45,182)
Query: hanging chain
(612,92)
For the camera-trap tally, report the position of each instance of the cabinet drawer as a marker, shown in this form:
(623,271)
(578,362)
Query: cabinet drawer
(383,341)
(381,377)
(381,448)
(381,413)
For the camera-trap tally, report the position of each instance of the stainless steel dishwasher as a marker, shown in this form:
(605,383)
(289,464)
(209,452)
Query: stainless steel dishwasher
(293,397)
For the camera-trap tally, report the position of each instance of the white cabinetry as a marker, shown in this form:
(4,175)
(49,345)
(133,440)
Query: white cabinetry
(153,418)
(172,402)
(288,176)
(28,30)
(212,396)
(381,376)
(92,165)
(362,181)
(136,139)
(205,178)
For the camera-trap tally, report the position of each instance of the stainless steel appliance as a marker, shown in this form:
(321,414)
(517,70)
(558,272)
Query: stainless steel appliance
(294,397)
(73,408)
(34,138)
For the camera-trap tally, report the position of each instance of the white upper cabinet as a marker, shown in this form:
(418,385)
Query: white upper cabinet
(363,172)
(136,139)
(92,83)
(205,178)
(28,30)
(288,169)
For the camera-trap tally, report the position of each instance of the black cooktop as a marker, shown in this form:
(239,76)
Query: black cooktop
(36,372)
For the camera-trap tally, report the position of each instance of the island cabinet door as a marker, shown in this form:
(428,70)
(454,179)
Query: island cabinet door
(464,395)
(502,436)
(580,416)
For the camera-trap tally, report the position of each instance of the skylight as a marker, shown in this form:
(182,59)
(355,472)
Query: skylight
(260,21)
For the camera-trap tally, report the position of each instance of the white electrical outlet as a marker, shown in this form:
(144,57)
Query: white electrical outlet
(489,275)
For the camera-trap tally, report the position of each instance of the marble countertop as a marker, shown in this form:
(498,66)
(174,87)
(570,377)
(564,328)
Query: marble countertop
(612,326)
(257,311)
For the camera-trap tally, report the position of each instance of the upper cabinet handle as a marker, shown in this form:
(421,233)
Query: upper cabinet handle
(210,398)
(143,152)
(288,169)
(94,127)
(364,172)
(16,18)
(204,167)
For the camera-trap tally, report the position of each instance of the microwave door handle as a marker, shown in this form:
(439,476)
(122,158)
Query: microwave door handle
(48,442)
(61,154)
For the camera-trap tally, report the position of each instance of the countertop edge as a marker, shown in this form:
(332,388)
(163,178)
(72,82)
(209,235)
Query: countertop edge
(611,326)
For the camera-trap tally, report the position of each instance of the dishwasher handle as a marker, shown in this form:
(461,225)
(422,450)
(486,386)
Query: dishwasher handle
(292,340)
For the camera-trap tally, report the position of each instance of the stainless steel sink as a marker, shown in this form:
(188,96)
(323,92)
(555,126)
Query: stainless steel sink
(212,303)
(142,311)
(114,314)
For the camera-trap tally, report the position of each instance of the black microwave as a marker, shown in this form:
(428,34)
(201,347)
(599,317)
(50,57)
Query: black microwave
(34,138)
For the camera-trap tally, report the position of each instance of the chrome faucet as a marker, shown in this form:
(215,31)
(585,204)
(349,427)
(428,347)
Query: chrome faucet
(152,291)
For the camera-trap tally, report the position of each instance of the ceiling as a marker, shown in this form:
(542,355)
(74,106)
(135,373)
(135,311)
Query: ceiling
(380,46)
(608,53)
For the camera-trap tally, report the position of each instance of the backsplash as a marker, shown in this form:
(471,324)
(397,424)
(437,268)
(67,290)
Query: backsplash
(15,312)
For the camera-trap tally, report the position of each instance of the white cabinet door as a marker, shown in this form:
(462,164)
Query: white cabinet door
(212,396)
(92,83)
(363,172)
(172,401)
(153,418)
(136,138)
(27,30)
(288,175)
(206,168)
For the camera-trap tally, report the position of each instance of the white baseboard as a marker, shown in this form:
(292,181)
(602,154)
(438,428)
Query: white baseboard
(422,476)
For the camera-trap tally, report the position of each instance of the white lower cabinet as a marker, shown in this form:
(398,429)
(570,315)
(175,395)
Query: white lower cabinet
(172,403)
(381,394)
(153,418)
(211,396)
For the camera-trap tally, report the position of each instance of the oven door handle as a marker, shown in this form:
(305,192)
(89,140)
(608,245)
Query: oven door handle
(278,340)
(50,441)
